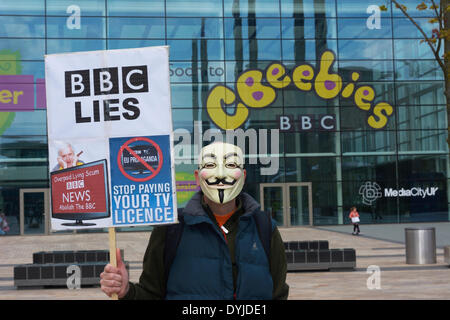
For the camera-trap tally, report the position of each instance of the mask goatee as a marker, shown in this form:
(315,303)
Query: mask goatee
(221,195)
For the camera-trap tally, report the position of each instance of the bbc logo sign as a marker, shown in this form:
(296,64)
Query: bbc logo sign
(106,81)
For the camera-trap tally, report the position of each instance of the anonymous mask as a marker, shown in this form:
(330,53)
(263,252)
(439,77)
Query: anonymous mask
(221,173)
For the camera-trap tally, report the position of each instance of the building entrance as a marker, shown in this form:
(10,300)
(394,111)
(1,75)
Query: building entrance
(289,203)
(34,211)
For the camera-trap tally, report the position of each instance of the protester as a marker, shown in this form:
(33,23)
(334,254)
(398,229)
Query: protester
(354,216)
(220,253)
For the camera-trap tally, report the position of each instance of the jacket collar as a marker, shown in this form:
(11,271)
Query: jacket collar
(194,212)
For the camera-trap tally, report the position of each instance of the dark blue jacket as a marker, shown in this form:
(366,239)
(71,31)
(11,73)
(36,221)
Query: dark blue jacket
(202,268)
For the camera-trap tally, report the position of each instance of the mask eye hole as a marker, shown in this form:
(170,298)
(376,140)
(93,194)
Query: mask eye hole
(209,165)
(232,165)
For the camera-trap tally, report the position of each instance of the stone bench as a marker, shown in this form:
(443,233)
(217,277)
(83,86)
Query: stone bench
(324,259)
(55,267)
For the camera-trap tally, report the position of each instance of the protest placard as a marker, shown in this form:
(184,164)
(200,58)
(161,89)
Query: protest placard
(110,138)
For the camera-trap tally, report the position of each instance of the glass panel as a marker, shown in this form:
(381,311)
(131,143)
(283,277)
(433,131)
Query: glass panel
(253,49)
(74,45)
(368,141)
(324,198)
(28,123)
(309,49)
(413,49)
(27,49)
(310,142)
(189,95)
(199,49)
(82,7)
(132,8)
(360,28)
(422,117)
(273,203)
(418,70)
(198,8)
(29,27)
(138,43)
(314,169)
(308,8)
(404,28)
(369,168)
(360,8)
(372,70)
(309,28)
(365,49)
(9,205)
(412,10)
(34,214)
(423,140)
(89,28)
(191,28)
(35,7)
(252,28)
(142,28)
(257,8)
(422,167)
(299,205)
(420,93)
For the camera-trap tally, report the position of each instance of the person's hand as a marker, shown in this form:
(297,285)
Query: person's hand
(61,162)
(115,280)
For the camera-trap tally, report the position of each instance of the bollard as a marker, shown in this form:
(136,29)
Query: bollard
(420,245)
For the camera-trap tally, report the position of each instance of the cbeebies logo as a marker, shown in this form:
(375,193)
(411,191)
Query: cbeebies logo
(257,89)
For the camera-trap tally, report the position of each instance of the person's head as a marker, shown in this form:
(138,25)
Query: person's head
(67,154)
(221,174)
(353,209)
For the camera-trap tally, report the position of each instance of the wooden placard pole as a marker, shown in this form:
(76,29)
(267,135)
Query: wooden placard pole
(112,253)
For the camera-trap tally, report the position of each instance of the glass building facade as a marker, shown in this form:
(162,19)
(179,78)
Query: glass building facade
(355,116)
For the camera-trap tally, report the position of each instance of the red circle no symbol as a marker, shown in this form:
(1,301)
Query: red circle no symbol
(126,146)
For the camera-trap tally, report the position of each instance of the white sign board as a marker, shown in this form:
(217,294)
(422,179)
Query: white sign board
(110,138)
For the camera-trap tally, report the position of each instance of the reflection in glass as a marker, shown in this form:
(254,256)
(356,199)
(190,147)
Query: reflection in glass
(422,140)
(368,141)
(273,203)
(365,49)
(74,45)
(308,8)
(418,70)
(34,215)
(27,27)
(142,28)
(132,8)
(90,27)
(299,205)
(420,93)
(352,28)
(259,8)
(194,8)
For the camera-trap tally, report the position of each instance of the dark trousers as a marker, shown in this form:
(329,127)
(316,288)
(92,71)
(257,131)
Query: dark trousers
(356,227)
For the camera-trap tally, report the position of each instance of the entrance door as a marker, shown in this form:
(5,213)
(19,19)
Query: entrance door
(34,211)
(290,203)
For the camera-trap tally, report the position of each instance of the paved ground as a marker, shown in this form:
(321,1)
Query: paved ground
(380,245)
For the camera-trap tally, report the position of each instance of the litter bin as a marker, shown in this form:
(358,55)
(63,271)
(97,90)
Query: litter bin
(420,245)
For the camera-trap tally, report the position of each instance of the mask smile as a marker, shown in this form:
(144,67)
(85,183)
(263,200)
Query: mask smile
(221,175)
(220,183)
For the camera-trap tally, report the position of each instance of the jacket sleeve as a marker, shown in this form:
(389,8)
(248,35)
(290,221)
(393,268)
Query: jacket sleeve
(278,267)
(151,282)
